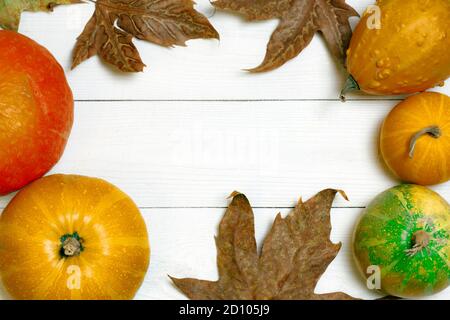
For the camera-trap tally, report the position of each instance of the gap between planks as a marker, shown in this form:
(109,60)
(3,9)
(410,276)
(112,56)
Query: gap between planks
(234,100)
(197,207)
(256,208)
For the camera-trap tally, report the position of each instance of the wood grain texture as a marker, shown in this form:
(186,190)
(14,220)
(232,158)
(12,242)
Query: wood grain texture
(193,154)
(205,69)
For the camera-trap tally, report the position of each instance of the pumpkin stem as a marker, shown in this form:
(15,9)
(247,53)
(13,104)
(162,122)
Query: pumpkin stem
(350,85)
(71,245)
(420,240)
(433,131)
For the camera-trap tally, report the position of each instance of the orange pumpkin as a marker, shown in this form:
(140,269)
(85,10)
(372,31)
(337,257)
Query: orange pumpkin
(72,237)
(415,139)
(407,52)
(36,109)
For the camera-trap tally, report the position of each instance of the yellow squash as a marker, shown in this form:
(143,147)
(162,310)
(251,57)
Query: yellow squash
(72,237)
(400,47)
(415,139)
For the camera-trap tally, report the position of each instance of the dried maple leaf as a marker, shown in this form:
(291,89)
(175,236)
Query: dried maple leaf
(299,21)
(10,10)
(295,254)
(111,29)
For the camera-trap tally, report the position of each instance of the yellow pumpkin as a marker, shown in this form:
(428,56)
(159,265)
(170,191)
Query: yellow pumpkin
(415,139)
(407,52)
(72,237)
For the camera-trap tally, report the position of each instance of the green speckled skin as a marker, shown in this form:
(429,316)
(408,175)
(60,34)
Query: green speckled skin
(385,233)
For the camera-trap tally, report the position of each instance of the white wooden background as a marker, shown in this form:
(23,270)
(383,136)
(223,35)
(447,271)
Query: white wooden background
(193,127)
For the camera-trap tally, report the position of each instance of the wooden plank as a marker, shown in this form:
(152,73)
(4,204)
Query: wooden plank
(206,69)
(182,242)
(194,154)
(183,251)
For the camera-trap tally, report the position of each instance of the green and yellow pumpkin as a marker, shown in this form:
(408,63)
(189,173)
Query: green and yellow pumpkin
(405,233)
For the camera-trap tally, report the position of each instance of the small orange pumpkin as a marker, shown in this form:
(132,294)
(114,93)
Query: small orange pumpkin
(72,237)
(415,139)
(407,52)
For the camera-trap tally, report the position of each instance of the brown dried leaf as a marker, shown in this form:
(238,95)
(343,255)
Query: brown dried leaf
(295,254)
(299,21)
(110,31)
